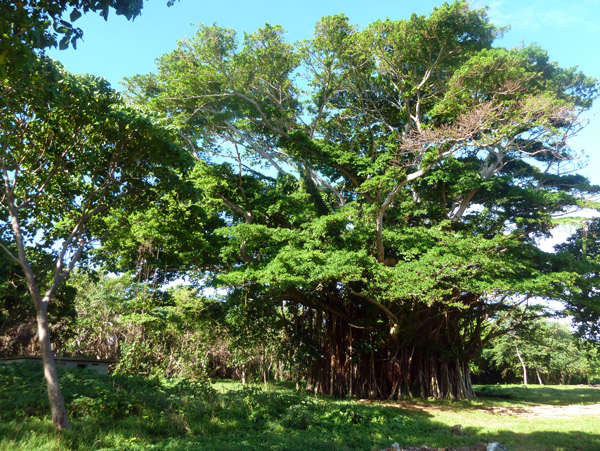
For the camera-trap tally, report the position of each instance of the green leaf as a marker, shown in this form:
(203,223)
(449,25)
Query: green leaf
(64,43)
(75,14)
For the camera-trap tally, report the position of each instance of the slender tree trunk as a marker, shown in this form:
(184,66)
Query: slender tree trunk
(539,377)
(60,417)
(523,365)
(265,371)
(279,370)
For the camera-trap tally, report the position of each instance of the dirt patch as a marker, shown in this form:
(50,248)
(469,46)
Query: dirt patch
(476,447)
(525,410)
(546,411)
(422,406)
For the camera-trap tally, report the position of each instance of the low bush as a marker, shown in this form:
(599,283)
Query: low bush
(96,396)
(134,412)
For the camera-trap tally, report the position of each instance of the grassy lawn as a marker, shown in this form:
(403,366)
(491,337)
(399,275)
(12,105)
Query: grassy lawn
(137,413)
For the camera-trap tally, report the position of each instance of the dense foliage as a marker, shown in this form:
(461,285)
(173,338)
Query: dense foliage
(583,303)
(359,210)
(385,185)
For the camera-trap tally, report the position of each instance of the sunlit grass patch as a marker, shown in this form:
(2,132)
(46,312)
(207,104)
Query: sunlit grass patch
(546,394)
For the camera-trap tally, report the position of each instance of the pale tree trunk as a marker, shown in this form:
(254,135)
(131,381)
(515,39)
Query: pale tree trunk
(539,377)
(265,371)
(523,365)
(60,417)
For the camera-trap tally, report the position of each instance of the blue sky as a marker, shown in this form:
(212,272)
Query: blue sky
(568,30)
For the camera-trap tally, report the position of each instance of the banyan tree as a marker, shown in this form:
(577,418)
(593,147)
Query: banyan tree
(381,190)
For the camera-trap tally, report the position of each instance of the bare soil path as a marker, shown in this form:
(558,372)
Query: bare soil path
(524,409)
(547,411)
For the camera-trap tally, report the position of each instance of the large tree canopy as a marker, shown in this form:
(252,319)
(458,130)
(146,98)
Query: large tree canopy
(390,182)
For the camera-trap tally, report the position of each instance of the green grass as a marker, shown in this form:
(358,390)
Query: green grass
(558,395)
(137,413)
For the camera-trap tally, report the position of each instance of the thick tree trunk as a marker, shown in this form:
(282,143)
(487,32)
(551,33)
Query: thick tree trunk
(388,373)
(60,417)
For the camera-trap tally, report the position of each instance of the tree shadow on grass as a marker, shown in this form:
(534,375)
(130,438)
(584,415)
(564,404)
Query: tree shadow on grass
(523,399)
(417,429)
(132,412)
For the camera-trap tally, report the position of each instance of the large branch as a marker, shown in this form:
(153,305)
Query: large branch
(320,182)
(450,138)
(247,215)
(379,305)
(392,195)
(255,146)
(21,257)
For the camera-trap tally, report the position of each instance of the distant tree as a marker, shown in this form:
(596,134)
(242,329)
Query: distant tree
(545,348)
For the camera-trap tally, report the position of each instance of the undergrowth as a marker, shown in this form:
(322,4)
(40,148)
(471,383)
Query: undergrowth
(133,412)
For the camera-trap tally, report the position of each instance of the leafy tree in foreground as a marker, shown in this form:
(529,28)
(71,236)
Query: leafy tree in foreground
(50,123)
(30,26)
(386,184)
(70,152)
